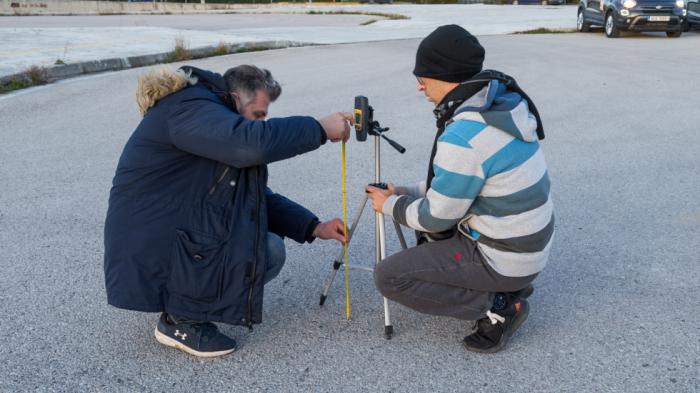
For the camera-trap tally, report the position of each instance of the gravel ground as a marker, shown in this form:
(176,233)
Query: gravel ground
(612,312)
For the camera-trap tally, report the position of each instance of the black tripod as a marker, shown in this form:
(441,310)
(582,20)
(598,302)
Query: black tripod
(377,131)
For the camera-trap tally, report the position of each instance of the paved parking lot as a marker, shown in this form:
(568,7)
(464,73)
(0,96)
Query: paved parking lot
(614,311)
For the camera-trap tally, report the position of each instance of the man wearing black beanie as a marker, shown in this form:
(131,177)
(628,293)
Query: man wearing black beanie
(484,215)
(449,54)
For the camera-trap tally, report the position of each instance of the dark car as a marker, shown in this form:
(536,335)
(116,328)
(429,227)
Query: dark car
(632,15)
(692,19)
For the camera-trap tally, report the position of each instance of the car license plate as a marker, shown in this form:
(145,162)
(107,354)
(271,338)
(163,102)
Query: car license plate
(659,18)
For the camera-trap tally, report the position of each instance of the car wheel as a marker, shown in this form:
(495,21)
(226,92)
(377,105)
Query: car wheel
(673,34)
(581,24)
(611,29)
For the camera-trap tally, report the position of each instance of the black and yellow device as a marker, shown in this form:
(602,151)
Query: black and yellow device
(364,125)
(363,118)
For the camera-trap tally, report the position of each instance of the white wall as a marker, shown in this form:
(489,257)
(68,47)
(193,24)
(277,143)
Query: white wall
(68,7)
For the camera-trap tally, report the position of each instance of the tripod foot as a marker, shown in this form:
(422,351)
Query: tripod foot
(322,300)
(388,332)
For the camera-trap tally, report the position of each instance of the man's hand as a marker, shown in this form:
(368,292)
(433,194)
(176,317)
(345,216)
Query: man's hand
(332,229)
(337,126)
(379,196)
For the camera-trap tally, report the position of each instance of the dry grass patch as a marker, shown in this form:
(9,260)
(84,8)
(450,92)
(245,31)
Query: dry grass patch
(545,30)
(179,52)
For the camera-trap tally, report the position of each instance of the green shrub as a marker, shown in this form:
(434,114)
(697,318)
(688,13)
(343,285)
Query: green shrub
(15,84)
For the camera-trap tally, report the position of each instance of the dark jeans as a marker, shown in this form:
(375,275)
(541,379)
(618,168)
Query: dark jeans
(447,277)
(276,255)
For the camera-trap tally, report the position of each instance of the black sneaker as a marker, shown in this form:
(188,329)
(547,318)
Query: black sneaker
(196,338)
(503,299)
(493,332)
(523,293)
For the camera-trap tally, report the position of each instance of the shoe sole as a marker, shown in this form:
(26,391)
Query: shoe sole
(522,316)
(170,342)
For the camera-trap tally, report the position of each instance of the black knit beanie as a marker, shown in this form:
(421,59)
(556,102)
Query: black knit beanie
(449,54)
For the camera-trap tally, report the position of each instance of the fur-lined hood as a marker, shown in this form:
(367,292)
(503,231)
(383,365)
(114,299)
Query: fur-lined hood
(159,83)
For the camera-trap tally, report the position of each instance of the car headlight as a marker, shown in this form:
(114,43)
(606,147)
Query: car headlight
(632,3)
(680,3)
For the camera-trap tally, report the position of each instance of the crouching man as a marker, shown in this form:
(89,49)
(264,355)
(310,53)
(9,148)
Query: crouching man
(192,230)
(484,210)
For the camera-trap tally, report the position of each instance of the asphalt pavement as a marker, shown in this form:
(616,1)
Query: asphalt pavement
(614,310)
(43,40)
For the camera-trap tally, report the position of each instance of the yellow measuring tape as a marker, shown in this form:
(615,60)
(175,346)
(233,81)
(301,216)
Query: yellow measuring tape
(345,236)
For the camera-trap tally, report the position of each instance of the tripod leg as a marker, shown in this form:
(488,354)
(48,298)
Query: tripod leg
(338,262)
(399,233)
(381,254)
(388,327)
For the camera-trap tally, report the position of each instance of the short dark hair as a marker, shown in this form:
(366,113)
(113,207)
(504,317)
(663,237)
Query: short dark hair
(248,79)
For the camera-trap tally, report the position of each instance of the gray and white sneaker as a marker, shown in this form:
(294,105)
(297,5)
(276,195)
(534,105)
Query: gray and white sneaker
(201,339)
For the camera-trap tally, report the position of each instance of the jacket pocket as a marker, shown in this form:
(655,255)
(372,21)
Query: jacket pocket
(197,266)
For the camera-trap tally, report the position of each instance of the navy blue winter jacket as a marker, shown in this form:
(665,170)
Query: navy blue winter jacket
(189,210)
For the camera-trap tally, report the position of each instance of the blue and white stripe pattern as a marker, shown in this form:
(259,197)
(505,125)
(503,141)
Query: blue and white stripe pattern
(491,180)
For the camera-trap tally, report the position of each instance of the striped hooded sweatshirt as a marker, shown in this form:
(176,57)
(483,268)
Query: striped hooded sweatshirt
(490,181)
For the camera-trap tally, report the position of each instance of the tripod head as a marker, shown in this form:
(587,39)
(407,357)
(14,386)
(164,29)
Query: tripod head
(366,125)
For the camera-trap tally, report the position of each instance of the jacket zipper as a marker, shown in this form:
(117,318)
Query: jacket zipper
(255,258)
(213,188)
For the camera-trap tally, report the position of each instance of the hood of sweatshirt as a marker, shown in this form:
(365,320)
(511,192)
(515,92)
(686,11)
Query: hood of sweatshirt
(499,107)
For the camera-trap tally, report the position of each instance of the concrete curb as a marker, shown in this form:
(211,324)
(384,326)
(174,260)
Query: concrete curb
(65,71)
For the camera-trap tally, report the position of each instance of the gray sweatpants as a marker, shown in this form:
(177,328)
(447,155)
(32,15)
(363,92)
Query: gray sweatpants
(447,277)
